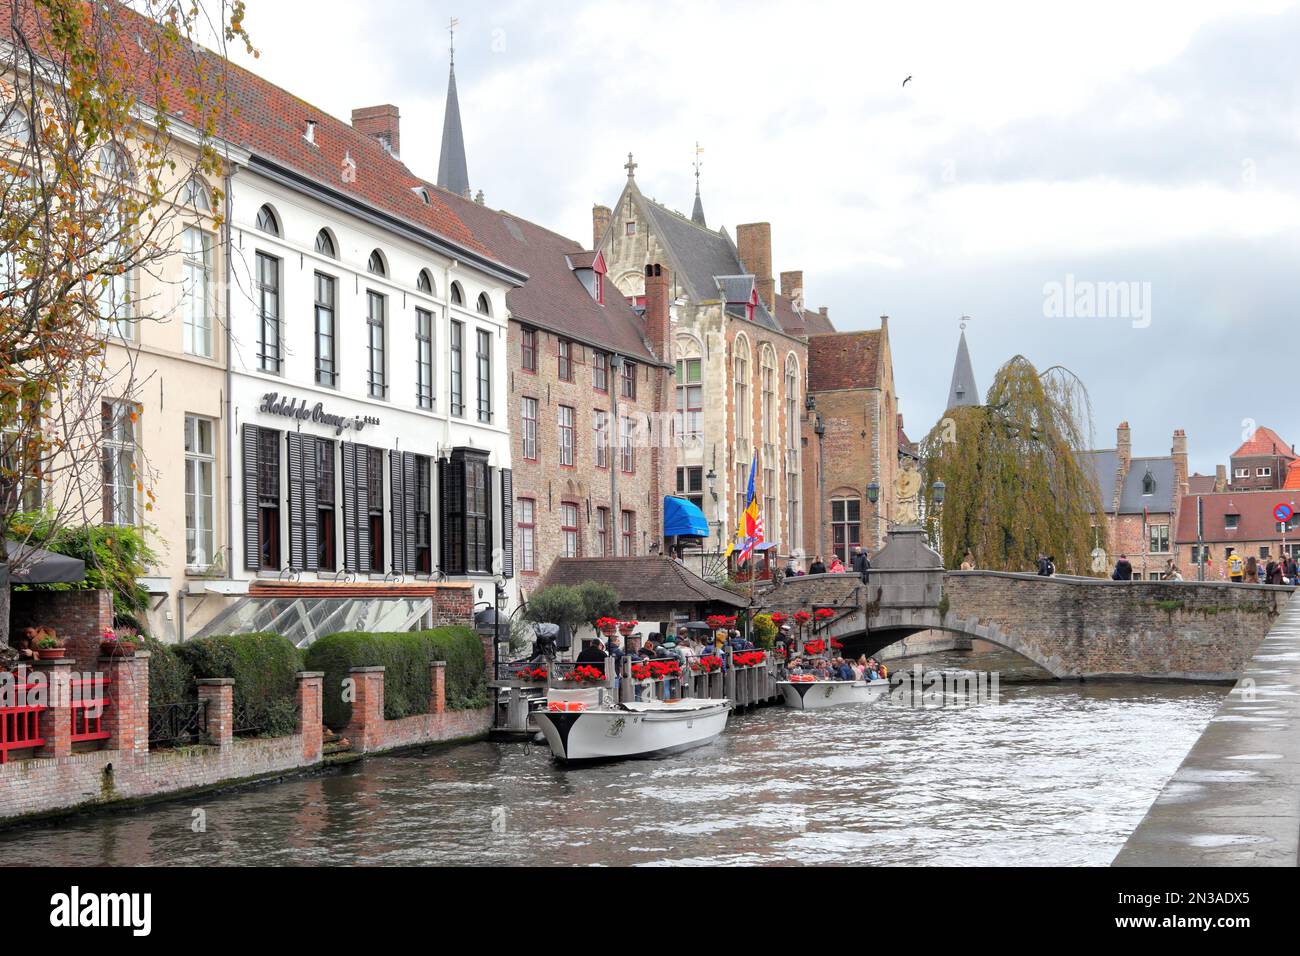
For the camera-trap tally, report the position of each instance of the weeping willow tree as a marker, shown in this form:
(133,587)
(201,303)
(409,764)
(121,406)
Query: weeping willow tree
(1017,484)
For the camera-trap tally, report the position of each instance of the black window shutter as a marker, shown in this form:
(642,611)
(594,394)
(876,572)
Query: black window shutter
(507,523)
(485,546)
(310,512)
(409,491)
(397,478)
(444,516)
(350,561)
(252,540)
(295,500)
(362,468)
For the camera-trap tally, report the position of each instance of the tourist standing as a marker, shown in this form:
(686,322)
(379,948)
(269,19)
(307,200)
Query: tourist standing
(818,566)
(1123,569)
(1236,567)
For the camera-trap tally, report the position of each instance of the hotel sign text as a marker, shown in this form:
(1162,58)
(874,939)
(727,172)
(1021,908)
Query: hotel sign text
(273,404)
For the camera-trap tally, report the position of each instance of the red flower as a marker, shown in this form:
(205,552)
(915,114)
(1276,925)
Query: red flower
(749,658)
(607,624)
(802,617)
(814,647)
(585,674)
(532,673)
(777,617)
(823,614)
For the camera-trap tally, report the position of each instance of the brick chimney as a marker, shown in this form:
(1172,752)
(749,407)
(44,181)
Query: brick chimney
(656,309)
(754,241)
(1179,453)
(1220,478)
(1124,455)
(792,286)
(600,216)
(381,122)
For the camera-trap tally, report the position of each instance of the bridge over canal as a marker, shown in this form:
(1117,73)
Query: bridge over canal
(1072,627)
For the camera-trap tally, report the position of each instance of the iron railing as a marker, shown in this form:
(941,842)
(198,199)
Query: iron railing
(178,724)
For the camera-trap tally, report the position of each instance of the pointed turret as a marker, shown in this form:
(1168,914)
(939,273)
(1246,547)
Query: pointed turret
(452,172)
(697,213)
(962,391)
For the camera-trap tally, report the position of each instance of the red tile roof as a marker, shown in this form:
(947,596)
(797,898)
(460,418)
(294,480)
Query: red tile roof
(1255,521)
(1264,442)
(270,122)
(1201,484)
(1293,477)
(843,360)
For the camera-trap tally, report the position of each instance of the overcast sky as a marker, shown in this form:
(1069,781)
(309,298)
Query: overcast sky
(1147,143)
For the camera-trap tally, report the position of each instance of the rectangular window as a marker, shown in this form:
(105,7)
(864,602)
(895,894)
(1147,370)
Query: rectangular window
(1241,472)
(603,540)
(200,492)
(375,516)
(268,310)
(528,350)
(629,380)
(268,499)
(478,536)
(690,400)
(196,291)
(569,529)
(600,436)
(565,367)
(20,465)
(690,485)
(1264,551)
(1263,472)
(376,309)
(119,465)
(423,358)
(627,439)
(629,533)
(630,229)
(791,409)
(527,527)
(567,437)
(423,514)
(600,371)
(484,356)
(326,528)
(457,376)
(326,364)
(1159,534)
(1231,521)
(530,428)
(846,525)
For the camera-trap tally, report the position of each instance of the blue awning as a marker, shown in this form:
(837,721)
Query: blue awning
(683,518)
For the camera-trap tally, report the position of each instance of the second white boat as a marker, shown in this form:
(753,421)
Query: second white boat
(632,729)
(819,694)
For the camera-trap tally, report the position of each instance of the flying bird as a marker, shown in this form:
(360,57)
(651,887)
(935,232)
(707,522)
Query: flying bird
(906,81)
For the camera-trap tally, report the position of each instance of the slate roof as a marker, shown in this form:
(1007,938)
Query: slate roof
(642,580)
(1105,466)
(843,360)
(962,390)
(554,298)
(453,174)
(269,123)
(801,324)
(1255,522)
(1264,443)
(701,252)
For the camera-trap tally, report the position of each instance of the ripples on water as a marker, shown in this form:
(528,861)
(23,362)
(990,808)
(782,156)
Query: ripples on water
(1054,774)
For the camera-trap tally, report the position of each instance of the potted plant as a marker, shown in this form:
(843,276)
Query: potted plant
(118,643)
(48,645)
(626,627)
(607,625)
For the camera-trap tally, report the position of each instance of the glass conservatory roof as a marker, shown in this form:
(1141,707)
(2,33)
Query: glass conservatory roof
(304,619)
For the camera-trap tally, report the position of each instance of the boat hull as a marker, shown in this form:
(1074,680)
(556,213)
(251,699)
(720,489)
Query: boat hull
(818,695)
(640,730)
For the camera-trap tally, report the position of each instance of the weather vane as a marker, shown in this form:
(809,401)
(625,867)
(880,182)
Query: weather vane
(698,163)
(964,320)
(451,33)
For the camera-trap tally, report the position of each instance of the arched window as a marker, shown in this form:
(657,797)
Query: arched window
(376,264)
(196,195)
(267,221)
(14,125)
(111,162)
(425,282)
(325,244)
(740,378)
(484,305)
(457,296)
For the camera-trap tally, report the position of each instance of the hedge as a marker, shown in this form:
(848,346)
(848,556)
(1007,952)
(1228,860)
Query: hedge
(170,680)
(264,668)
(405,658)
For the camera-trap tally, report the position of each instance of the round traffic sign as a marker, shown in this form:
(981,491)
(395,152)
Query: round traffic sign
(1283,513)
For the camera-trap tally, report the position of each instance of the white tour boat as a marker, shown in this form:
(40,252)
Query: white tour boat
(585,725)
(818,694)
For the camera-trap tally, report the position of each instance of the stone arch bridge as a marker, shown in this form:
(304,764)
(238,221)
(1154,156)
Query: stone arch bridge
(1072,627)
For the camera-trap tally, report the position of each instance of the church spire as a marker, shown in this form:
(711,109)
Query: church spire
(962,391)
(452,172)
(697,214)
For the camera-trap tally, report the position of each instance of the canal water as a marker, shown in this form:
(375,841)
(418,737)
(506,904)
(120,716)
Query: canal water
(1049,774)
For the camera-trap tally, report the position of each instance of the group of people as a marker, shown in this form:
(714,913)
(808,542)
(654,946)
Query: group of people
(837,668)
(1252,570)
(684,646)
(859,564)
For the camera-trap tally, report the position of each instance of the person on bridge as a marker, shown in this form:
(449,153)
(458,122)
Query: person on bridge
(593,654)
(968,562)
(818,566)
(861,564)
(837,566)
(1123,569)
(1236,567)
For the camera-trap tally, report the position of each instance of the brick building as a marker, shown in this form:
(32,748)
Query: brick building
(1261,462)
(1210,524)
(1141,500)
(739,354)
(851,437)
(589,388)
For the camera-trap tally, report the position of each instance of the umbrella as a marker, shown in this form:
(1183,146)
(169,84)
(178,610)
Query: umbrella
(37,566)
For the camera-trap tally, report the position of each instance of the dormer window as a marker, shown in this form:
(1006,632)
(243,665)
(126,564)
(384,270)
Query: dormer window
(1230,522)
(600,287)
(631,228)
(751,305)
(1148,485)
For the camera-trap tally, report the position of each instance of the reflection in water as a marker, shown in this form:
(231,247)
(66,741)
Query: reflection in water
(1053,774)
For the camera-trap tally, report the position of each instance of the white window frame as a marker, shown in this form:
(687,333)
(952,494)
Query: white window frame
(195,459)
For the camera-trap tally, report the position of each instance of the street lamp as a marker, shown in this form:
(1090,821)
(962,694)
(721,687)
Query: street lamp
(873,496)
(873,492)
(937,492)
(712,479)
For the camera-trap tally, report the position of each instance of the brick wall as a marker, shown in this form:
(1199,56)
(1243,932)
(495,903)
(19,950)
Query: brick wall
(79,617)
(548,484)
